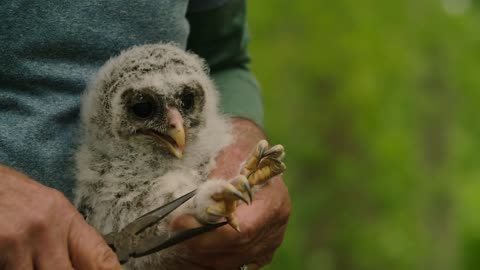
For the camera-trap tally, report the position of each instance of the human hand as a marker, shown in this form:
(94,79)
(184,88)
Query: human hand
(41,229)
(263,223)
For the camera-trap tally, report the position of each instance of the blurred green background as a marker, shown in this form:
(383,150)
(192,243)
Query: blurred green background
(376,102)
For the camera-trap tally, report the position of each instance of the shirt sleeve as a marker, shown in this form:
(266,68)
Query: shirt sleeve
(219,34)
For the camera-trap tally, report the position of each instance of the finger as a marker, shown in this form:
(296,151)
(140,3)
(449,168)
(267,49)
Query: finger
(217,250)
(20,263)
(87,249)
(223,248)
(52,254)
(253,266)
(58,261)
(19,257)
(185,263)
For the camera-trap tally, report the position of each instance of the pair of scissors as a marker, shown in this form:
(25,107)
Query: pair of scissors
(127,243)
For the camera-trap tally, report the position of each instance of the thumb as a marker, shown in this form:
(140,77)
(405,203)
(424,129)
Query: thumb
(87,249)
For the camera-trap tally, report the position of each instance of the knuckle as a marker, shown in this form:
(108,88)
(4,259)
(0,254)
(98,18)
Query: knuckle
(57,198)
(264,254)
(276,242)
(276,237)
(9,241)
(287,209)
(43,214)
(47,201)
(224,263)
(248,236)
(285,214)
(57,203)
(253,235)
(264,260)
(38,222)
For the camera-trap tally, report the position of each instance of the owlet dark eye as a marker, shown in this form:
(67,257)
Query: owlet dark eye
(143,109)
(188,100)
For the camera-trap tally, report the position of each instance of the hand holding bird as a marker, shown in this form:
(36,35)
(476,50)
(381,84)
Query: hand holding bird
(263,223)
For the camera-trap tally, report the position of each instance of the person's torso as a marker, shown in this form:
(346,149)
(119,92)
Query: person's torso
(48,51)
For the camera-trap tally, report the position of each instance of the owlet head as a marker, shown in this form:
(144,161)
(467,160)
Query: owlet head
(155,95)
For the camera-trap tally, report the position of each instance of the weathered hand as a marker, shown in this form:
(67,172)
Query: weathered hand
(263,222)
(40,229)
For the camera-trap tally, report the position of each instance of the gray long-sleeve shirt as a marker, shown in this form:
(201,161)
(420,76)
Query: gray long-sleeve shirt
(50,48)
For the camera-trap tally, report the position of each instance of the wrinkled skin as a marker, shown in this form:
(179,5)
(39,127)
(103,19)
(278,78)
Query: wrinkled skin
(263,223)
(40,229)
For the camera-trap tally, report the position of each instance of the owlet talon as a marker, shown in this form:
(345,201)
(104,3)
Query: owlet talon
(247,188)
(243,185)
(262,146)
(276,152)
(240,196)
(230,193)
(215,211)
(267,169)
(252,162)
(232,221)
(223,198)
(277,167)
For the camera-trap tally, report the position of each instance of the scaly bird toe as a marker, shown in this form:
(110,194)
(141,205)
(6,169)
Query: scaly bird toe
(276,152)
(264,163)
(226,200)
(252,162)
(242,184)
(230,193)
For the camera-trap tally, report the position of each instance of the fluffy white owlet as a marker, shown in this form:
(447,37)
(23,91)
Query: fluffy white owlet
(151,131)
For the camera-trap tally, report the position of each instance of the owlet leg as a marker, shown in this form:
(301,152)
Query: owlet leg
(264,163)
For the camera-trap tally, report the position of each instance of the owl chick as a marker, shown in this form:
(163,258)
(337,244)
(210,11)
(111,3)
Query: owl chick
(151,131)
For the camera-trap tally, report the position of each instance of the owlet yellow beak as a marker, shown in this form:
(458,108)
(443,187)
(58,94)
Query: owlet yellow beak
(176,131)
(174,138)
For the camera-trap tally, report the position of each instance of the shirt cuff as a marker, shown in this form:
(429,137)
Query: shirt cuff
(240,94)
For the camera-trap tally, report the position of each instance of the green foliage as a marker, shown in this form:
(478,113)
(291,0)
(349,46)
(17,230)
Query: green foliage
(376,103)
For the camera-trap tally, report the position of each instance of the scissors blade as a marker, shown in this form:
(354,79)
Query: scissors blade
(124,242)
(156,243)
(152,217)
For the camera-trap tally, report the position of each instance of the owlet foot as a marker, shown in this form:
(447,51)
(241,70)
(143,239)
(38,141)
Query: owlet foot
(220,199)
(217,199)
(264,163)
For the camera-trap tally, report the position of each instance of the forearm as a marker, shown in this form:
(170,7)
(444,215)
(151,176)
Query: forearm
(245,135)
(221,37)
